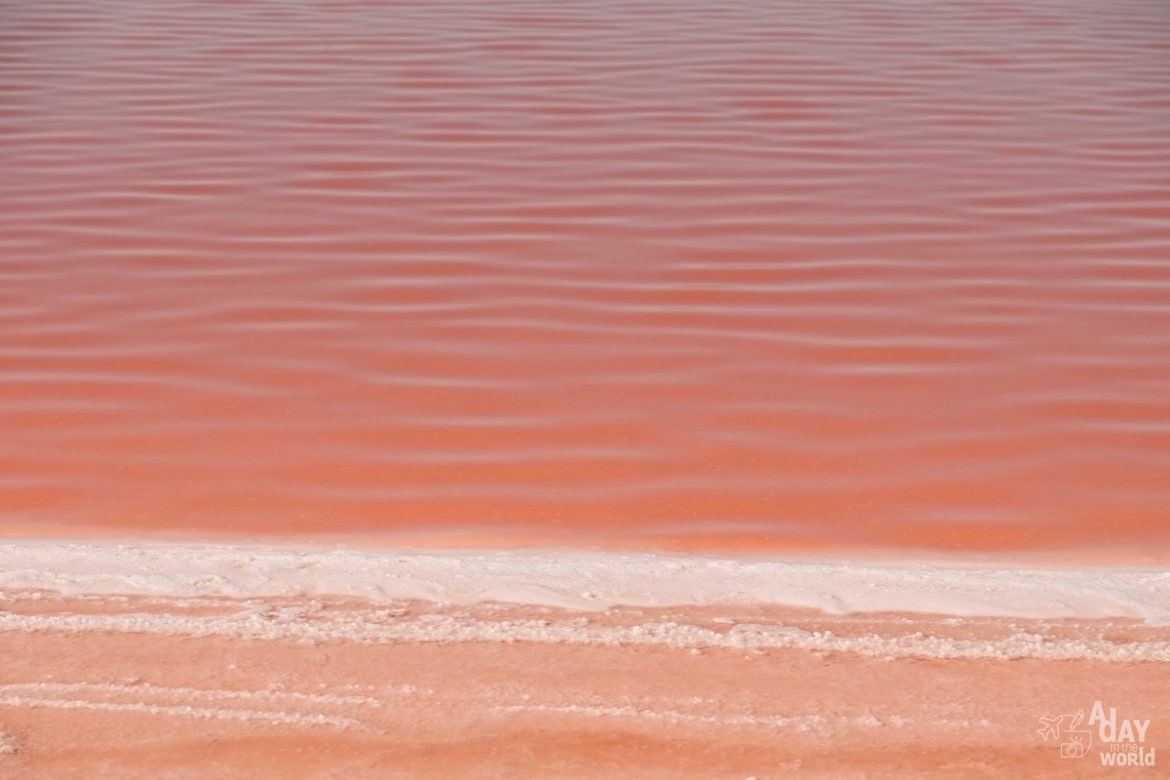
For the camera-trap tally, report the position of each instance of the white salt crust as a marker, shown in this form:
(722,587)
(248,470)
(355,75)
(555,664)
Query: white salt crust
(583,580)
(322,709)
(249,589)
(389,626)
(200,713)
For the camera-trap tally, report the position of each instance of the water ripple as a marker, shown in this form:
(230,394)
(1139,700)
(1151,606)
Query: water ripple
(894,274)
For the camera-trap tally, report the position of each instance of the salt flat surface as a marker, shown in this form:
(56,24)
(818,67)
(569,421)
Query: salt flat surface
(308,688)
(584,579)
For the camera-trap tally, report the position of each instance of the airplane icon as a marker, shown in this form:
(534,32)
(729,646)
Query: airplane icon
(1051,727)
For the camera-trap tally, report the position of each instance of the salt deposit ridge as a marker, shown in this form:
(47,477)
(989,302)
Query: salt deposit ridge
(584,580)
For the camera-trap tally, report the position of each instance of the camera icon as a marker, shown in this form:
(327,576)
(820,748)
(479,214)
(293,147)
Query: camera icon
(1076,747)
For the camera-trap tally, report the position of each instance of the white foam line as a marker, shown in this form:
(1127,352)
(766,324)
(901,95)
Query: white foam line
(7,744)
(583,580)
(286,718)
(200,694)
(800,723)
(370,630)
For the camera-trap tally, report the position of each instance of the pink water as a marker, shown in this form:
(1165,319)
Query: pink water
(763,274)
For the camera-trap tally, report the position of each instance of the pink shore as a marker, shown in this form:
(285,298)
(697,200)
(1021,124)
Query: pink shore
(164,659)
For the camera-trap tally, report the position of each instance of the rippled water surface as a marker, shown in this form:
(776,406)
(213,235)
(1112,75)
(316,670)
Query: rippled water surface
(765,272)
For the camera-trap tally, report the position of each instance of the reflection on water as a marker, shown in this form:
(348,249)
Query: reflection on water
(808,273)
